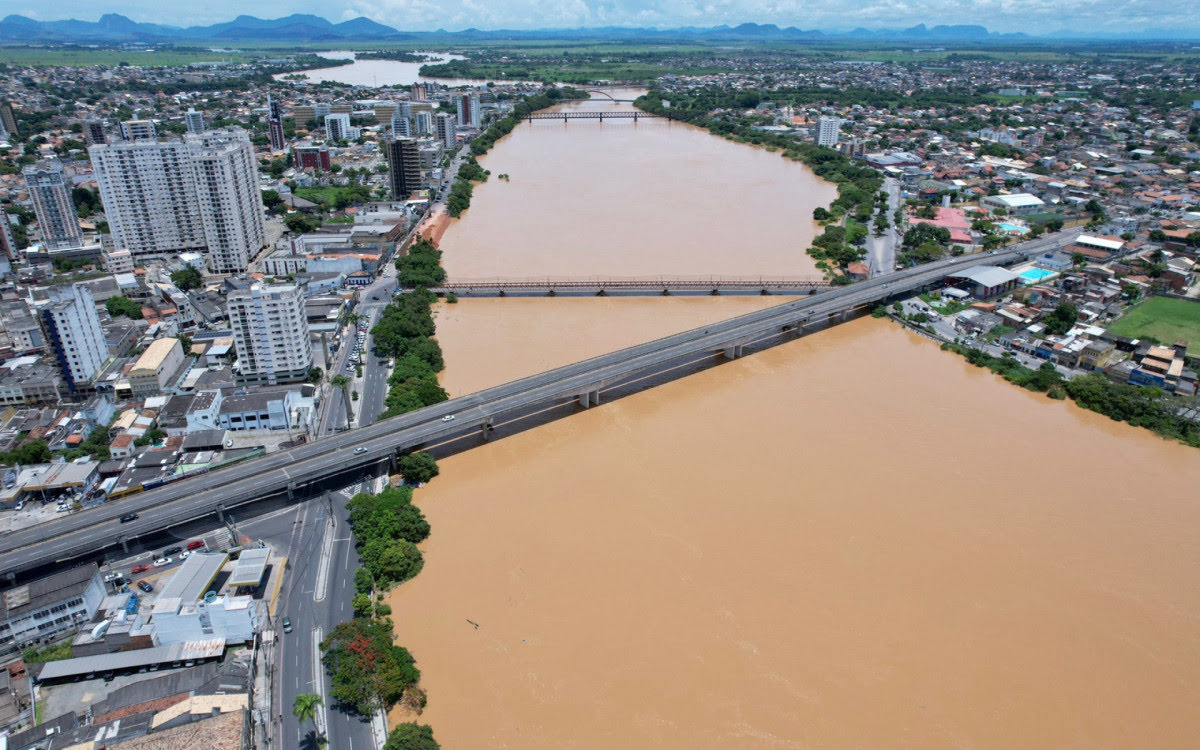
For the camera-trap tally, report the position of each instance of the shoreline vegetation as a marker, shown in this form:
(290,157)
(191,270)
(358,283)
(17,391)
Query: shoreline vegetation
(1139,406)
(470,172)
(858,187)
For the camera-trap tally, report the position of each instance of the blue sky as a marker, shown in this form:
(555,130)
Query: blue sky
(1031,16)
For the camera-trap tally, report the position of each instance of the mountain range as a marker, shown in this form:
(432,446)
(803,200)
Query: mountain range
(114,28)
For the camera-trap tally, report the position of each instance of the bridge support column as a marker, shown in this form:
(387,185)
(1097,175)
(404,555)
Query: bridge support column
(221,513)
(735,351)
(124,544)
(291,489)
(585,399)
(595,397)
(486,428)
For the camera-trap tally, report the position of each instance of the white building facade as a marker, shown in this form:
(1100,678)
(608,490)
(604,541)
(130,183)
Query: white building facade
(827,131)
(228,197)
(73,328)
(50,192)
(270,330)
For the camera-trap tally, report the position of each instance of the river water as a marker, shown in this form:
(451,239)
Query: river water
(371,72)
(850,540)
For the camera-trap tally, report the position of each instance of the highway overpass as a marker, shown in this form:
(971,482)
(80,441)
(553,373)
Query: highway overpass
(87,532)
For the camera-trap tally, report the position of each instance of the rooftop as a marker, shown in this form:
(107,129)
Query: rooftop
(190,582)
(52,589)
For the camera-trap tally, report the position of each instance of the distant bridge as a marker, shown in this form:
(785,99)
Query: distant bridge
(609,96)
(634,115)
(653,286)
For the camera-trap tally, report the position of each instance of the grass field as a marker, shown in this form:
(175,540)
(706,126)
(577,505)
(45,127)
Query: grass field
(83,57)
(1163,318)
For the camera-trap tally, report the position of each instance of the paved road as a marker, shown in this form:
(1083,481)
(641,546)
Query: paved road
(881,250)
(162,507)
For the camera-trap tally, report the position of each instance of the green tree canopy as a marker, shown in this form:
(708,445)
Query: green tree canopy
(411,736)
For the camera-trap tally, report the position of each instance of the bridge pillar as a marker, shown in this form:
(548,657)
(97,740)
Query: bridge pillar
(486,428)
(291,488)
(735,351)
(601,117)
(124,544)
(595,397)
(221,513)
(585,399)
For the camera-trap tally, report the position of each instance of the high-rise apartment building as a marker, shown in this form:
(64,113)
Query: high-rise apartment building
(8,242)
(8,118)
(93,131)
(229,199)
(827,131)
(183,195)
(139,130)
(419,92)
(424,123)
(401,125)
(337,126)
(275,124)
(447,127)
(149,196)
(468,110)
(194,120)
(74,332)
(404,167)
(270,331)
(50,192)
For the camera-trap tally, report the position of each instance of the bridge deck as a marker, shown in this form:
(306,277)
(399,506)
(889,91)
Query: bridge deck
(90,531)
(585,115)
(660,285)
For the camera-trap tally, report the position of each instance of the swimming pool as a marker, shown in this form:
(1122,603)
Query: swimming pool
(1034,275)
(1013,228)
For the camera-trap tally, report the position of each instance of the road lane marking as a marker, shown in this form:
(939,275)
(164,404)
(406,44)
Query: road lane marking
(319,679)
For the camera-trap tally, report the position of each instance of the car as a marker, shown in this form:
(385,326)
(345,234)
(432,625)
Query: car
(145,586)
(448,418)
(195,545)
(20,504)
(160,562)
(185,555)
(139,568)
(110,577)
(360,449)
(287,625)
(129,517)
(172,551)
(62,509)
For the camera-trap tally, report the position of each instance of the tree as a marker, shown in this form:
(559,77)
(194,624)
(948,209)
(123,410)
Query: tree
(187,278)
(1060,321)
(821,214)
(411,736)
(1055,225)
(302,223)
(271,199)
(304,708)
(362,605)
(1158,235)
(369,671)
(119,305)
(419,467)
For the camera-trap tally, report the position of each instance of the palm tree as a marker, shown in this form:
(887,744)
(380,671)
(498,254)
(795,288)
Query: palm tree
(304,708)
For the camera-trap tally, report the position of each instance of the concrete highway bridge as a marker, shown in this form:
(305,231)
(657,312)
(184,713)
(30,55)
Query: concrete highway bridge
(634,114)
(632,286)
(468,418)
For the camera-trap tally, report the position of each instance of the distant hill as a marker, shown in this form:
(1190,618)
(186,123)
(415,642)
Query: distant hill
(309,28)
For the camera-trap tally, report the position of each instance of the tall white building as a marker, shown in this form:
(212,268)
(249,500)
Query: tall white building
(424,122)
(194,120)
(827,131)
(73,328)
(270,331)
(446,130)
(228,197)
(468,110)
(173,196)
(401,125)
(149,196)
(139,130)
(337,126)
(50,191)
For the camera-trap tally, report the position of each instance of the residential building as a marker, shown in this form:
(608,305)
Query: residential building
(270,331)
(312,157)
(827,131)
(1018,204)
(8,242)
(174,196)
(118,261)
(228,197)
(275,124)
(468,110)
(404,167)
(149,196)
(337,127)
(419,92)
(93,131)
(73,329)
(401,125)
(50,192)
(42,609)
(183,612)
(139,130)
(423,123)
(8,118)
(156,367)
(276,409)
(194,120)
(446,126)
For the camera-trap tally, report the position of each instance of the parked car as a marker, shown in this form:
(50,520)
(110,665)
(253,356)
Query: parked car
(129,517)
(139,568)
(172,551)
(160,562)
(110,577)
(195,545)
(145,586)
